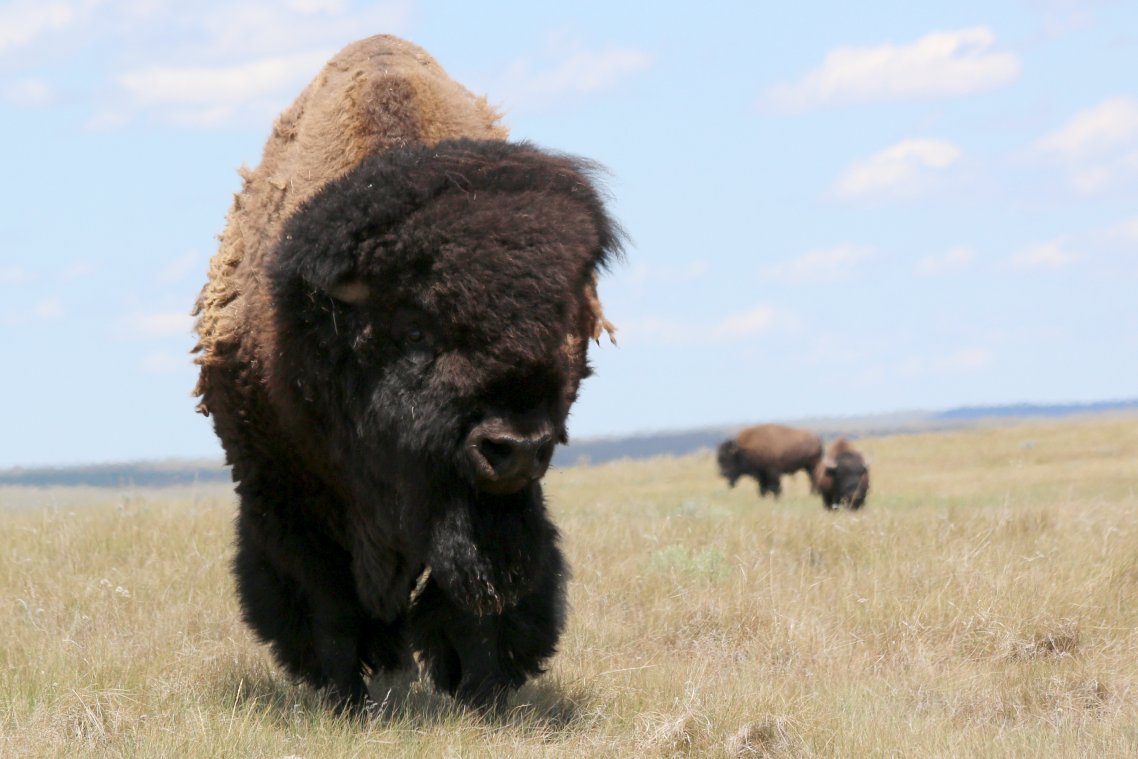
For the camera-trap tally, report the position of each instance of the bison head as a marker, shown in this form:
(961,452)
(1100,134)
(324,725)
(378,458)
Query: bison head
(730,460)
(432,310)
(846,478)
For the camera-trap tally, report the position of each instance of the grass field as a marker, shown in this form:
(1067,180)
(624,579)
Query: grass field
(984,603)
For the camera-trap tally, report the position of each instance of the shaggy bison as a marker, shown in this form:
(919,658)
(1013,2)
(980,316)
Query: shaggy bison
(842,476)
(768,451)
(392,334)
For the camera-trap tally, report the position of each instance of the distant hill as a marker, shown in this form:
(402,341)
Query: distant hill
(1029,410)
(125,475)
(601,450)
(585,451)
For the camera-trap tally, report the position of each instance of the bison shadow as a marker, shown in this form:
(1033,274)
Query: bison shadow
(405,699)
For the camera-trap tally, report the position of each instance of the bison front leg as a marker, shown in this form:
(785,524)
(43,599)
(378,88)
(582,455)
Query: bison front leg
(480,658)
(303,607)
(769,482)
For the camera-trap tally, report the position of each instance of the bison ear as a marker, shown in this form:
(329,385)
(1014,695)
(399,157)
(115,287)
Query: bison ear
(352,291)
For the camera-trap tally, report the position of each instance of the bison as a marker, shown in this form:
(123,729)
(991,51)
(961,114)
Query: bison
(842,477)
(392,333)
(768,451)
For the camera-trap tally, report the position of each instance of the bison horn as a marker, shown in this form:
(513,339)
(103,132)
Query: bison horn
(352,291)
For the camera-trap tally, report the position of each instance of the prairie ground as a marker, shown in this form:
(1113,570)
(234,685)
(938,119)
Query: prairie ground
(983,603)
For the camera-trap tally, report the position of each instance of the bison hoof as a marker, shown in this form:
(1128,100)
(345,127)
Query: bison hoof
(487,696)
(353,702)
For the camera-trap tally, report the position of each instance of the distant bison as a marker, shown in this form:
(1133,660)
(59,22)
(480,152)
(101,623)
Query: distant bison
(842,477)
(768,451)
(393,331)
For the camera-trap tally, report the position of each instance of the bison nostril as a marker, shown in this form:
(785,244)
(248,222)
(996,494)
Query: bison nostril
(496,452)
(544,452)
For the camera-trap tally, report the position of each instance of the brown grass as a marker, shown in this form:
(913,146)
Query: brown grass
(984,603)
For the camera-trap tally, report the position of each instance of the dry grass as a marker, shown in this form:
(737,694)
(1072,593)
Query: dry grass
(984,603)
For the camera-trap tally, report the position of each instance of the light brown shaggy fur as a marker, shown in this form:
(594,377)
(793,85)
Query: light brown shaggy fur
(376,94)
(788,448)
(838,447)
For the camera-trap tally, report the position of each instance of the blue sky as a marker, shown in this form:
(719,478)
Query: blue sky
(835,208)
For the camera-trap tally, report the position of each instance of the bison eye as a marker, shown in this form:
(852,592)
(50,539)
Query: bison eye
(416,338)
(410,331)
(418,343)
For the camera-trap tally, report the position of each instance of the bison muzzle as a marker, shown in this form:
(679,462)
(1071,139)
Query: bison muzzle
(507,454)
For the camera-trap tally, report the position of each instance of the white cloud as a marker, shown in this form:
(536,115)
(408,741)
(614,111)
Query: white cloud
(28,93)
(77,270)
(1050,255)
(1096,146)
(647,273)
(747,324)
(318,6)
(953,259)
(872,375)
(19,275)
(161,324)
(224,87)
(969,359)
(213,96)
(963,360)
(759,320)
(832,349)
(660,331)
(1127,231)
(14,275)
(50,309)
(566,69)
(897,168)
(1111,123)
(1060,17)
(1092,179)
(140,48)
(22,23)
(249,29)
(109,117)
(829,264)
(957,62)
(220,32)
(165,362)
(179,268)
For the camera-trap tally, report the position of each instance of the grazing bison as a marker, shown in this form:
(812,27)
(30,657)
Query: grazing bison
(768,451)
(392,334)
(842,476)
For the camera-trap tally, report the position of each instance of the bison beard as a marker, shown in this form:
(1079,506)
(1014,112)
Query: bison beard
(425,316)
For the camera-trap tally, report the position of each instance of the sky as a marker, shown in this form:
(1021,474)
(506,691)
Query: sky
(834,208)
